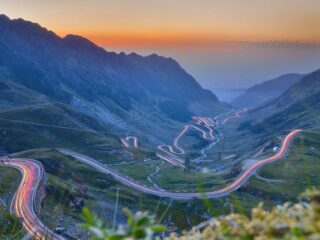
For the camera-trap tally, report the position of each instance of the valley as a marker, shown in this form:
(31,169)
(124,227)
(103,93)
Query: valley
(31,188)
(86,128)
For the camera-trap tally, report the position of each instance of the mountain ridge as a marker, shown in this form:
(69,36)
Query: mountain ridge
(265,91)
(105,85)
(298,107)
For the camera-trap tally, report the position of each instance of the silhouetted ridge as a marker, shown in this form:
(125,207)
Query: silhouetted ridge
(76,71)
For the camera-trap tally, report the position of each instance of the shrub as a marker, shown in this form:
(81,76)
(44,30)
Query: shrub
(288,221)
(140,225)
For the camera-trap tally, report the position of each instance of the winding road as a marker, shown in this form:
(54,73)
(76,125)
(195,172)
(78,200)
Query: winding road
(205,125)
(238,182)
(236,115)
(23,204)
(169,154)
(126,141)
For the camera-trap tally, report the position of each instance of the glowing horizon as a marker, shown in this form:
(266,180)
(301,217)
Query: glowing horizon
(217,41)
(172,23)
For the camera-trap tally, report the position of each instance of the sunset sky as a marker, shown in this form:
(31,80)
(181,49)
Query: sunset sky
(192,32)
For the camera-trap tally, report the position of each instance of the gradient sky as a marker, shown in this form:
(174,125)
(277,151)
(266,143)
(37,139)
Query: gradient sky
(206,36)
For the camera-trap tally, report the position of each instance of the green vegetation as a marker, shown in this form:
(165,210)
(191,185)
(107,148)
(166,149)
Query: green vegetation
(10,226)
(287,178)
(9,181)
(176,179)
(288,221)
(22,130)
(70,182)
(140,225)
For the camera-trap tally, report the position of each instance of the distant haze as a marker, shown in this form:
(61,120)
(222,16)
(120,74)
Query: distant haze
(207,36)
(241,65)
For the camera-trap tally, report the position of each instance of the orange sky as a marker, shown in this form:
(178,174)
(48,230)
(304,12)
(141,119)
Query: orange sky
(205,36)
(174,23)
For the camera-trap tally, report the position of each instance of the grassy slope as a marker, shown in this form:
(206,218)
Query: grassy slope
(22,110)
(292,175)
(298,171)
(9,226)
(19,136)
(9,182)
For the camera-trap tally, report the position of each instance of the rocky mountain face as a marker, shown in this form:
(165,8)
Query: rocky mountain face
(266,91)
(114,88)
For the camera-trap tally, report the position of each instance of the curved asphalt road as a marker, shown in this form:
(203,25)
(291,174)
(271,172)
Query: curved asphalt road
(178,195)
(126,141)
(23,203)
(32,173)
(171,154)
(167,152)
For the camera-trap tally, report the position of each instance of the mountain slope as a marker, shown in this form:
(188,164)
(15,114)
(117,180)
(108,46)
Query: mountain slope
(266,91)
(31,120)
(298,107)
(105,85)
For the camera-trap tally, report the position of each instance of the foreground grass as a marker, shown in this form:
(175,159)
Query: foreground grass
(10,226)
(9,182)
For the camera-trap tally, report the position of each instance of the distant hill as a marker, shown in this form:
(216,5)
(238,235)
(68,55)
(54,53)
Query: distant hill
(131,91)
(266,91)
(298,107)
(307,87)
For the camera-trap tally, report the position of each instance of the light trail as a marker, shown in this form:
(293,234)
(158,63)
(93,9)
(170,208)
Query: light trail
(23,203)
(236,115)
(171,157)
(169,153)
(32,172)
(228,157)
(126,141)
(238,182)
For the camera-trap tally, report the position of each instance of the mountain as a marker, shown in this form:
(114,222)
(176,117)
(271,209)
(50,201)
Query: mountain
(298,107)
(31,120)
(112,88)
(266,91)
(306,88)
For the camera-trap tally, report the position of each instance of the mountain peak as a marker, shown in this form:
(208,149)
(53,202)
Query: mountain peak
(83,44)
(25,27)
(4,17)
(46,62)
(78,40)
